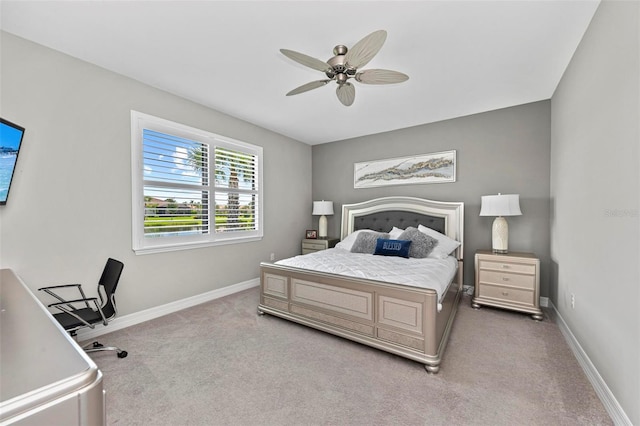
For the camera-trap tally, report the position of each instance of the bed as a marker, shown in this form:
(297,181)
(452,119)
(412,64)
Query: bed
(400,318)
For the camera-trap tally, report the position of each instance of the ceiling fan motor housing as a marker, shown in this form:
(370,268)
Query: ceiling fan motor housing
(339,69)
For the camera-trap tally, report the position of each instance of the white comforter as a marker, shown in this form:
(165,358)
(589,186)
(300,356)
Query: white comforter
(426,273)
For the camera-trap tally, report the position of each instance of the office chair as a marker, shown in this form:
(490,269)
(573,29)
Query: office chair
(73,318)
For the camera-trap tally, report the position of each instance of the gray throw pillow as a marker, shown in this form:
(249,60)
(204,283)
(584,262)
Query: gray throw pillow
(366,242)
(421,243)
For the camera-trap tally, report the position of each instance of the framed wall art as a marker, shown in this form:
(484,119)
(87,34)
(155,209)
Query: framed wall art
(439,167)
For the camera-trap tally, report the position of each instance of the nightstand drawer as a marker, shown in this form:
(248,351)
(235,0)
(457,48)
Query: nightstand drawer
(317,245)
(310,245)
(507,294)
(508,267)
(500,278)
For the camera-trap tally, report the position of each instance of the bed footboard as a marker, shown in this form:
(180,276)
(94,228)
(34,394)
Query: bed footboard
(395,318)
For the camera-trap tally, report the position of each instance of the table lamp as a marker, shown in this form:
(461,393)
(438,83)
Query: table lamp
(322,209)
(500,206)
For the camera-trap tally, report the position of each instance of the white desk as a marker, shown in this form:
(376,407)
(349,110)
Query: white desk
(45,377)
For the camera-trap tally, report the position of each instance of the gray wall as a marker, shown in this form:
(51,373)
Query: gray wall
(595,190)
(504,151)
(70,206)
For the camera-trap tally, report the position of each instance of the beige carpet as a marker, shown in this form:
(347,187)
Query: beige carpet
(221,364)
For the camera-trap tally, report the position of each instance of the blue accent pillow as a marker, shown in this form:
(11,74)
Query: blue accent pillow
(392,247)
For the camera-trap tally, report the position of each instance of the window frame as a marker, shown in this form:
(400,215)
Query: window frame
(141,245)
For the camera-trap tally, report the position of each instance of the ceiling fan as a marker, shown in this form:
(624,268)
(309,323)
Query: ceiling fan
(345,65)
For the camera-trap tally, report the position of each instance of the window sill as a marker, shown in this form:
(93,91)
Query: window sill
(192,245)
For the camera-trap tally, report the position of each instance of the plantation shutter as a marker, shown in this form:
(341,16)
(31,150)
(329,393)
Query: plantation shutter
(236,190)
(176,189)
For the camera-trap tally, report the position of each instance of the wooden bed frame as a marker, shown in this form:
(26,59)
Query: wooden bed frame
(395,318)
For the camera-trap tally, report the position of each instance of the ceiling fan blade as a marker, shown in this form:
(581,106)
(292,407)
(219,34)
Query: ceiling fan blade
(346,93)
(307,87)
(375,76)
(306,60)
(364,50)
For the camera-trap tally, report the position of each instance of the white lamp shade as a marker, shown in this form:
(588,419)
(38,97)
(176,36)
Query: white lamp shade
(322,208)
(500,205)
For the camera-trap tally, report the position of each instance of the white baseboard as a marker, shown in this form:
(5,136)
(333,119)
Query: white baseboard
(609,401)
(148,314)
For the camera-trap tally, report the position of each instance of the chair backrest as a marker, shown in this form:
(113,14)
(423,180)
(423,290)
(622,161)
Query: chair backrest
(109,282)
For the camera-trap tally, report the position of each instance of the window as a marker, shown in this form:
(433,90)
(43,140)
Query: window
(192,188)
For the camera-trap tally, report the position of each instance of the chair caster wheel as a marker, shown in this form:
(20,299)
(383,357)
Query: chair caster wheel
(122,354)
(97,345)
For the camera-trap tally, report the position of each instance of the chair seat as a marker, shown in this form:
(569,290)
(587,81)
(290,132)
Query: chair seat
(69,321)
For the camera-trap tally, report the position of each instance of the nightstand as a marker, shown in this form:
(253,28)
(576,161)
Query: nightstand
(509,281)
(309,245)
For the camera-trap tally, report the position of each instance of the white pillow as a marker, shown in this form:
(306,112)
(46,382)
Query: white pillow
(348,241)
(445,245)
(395,233)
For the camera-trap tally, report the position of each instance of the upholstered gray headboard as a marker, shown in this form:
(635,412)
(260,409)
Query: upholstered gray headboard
(384,221)
(382,214)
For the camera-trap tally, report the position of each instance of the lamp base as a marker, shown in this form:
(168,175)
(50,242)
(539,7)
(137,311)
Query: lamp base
(500,235)
(322,226)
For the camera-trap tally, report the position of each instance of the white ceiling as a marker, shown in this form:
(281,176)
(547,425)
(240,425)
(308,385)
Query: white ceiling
(462,57)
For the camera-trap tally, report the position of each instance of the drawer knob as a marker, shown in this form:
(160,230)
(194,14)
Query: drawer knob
(505,278)
(505,266)
(505,293)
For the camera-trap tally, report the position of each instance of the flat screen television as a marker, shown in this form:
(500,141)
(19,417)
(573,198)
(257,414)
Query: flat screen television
(10,140)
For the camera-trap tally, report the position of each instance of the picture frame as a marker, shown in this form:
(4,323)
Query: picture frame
(312,234)
(437,167)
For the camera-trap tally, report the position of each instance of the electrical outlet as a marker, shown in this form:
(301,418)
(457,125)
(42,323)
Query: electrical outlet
(272,257)
(573,300)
